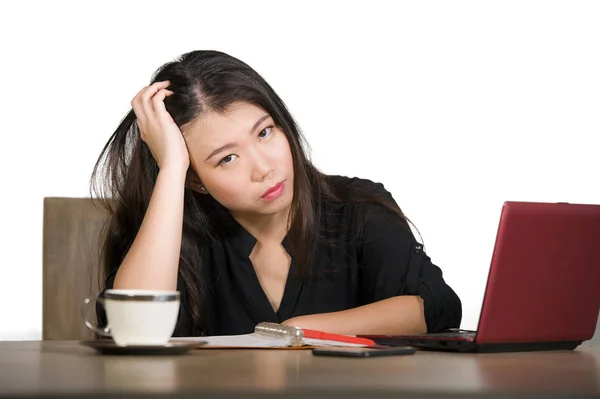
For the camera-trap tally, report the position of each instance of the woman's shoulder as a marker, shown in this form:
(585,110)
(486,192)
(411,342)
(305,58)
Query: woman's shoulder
(363,196)
(345,187)
(361,203)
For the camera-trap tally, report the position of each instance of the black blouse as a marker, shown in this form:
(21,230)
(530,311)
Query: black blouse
(353,267)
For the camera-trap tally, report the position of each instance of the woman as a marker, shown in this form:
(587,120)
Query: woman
(212,194)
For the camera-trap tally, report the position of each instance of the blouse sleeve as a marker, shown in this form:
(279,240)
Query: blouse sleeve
(393,263)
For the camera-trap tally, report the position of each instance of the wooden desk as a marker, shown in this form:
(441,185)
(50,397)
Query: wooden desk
(65,368)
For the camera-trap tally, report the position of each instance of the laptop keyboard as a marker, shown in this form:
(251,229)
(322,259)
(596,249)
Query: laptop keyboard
(453,333)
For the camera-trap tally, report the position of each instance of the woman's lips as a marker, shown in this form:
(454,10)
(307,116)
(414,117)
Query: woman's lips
(274,192)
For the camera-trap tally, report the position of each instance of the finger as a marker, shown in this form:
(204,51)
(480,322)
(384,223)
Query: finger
(138,96)
(138,100)
(151,90)
(148,94)
(136,104)
(159,104)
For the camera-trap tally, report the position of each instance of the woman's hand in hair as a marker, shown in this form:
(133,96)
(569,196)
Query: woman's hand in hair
(157,128)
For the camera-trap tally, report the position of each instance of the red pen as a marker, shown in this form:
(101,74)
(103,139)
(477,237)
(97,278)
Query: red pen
(337,337)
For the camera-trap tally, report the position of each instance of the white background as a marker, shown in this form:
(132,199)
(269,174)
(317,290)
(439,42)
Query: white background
(456,106)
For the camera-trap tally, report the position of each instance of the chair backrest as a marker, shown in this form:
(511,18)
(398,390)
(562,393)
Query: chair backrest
(71,261)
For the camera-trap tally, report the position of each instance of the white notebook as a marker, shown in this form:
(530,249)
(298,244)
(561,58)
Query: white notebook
(268,335)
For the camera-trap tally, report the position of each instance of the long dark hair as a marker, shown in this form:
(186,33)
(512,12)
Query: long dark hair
(125,173)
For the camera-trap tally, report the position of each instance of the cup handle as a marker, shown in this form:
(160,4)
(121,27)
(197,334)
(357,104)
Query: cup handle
(105,332)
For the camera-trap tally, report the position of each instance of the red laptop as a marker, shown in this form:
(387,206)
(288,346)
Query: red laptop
(543,287)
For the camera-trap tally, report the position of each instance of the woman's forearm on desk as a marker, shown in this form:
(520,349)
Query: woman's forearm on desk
(392,316)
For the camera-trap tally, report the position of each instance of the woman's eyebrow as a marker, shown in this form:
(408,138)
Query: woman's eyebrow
(220,149)
(258,122)
(230,145)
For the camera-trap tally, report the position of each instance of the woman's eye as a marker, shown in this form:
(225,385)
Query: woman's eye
(228,159)
(266,132)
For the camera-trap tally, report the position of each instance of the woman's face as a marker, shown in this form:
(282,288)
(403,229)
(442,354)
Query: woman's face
(242,159)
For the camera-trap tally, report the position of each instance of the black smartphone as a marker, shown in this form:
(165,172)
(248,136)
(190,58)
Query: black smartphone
(363,352)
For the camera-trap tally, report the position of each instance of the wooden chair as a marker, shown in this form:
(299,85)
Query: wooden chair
(71,261)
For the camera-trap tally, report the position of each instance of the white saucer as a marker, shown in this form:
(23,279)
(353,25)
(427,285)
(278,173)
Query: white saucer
(173,347)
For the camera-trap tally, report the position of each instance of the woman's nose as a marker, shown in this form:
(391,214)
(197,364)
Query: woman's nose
(262,168)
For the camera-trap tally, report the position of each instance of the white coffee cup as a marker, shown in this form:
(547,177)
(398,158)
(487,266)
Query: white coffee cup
(137,317)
